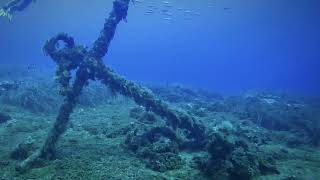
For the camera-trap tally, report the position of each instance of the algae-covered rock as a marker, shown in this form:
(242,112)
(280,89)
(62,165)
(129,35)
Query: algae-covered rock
(4,117)
(165,161)
(23,150)
(148,118)
(221,146)
(316,136)
(136,112)
(158,146)
(232,157)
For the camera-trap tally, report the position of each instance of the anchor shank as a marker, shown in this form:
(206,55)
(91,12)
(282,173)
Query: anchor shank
(101,45)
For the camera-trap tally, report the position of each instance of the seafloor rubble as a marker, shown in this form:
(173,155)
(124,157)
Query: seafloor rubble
(256,135)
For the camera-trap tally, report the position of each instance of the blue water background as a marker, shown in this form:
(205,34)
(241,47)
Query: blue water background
(228,46)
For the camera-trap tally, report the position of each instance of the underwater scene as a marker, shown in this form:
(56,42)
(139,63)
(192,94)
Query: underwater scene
(159,90)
